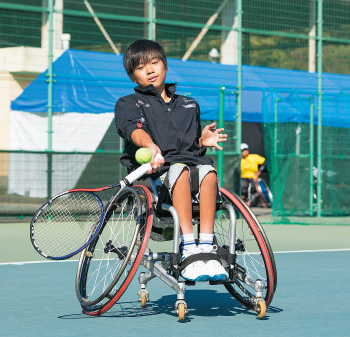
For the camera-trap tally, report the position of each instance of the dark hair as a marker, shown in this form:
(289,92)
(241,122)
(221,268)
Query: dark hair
(142,51)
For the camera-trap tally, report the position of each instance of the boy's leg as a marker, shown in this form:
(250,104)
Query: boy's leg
(182,201)
(244,188)
(207,204)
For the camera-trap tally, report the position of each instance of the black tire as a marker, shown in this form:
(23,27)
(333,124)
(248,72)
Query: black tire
(254,255)
(109,264)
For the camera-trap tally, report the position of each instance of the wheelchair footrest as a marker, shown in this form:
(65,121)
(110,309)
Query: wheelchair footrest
(213,283)
(190,283)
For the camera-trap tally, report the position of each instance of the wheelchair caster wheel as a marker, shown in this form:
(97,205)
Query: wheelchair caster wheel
(182,310)
(261,309)
(143,300)
(143,297)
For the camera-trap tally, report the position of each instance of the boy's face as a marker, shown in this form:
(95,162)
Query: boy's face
(245,153)
(153,72)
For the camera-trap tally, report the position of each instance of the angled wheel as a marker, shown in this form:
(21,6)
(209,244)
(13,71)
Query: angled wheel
(182,312)
(255,264)
(264,192)
(143,299)
(261,308)
(107,266)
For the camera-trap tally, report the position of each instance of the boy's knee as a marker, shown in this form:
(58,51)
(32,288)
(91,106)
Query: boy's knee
(184,175)
(179,171)
(211,177)
(179,175)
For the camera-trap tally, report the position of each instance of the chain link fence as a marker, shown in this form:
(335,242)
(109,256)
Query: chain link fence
(307,161)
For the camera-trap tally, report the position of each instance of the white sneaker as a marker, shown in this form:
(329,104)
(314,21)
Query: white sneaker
(214,268)
(196,271)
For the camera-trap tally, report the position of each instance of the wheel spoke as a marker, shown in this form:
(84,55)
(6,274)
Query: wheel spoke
(103,274)
(252,252)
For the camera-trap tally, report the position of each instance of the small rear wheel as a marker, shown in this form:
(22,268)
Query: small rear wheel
(143,299)
(261,309)
(182,311)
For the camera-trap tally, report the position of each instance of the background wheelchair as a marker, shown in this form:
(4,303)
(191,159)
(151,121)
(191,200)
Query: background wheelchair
(107,266)
(259,191)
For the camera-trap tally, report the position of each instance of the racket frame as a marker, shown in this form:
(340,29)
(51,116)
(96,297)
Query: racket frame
(125,182)
(95,229)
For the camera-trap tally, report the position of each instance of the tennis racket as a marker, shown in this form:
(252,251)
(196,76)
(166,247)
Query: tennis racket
(70,220)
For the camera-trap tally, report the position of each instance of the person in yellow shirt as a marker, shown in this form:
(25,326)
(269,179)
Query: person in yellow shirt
(251,167)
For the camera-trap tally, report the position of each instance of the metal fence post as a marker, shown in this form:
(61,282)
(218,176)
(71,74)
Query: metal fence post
(311,150)
(319,106)
(221,124)
(275,177)
(239,80)
(150,19)
(50,100)
(239,86)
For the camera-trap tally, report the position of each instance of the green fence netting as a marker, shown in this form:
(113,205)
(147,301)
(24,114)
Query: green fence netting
(336,160)
(308,162)
(294,153)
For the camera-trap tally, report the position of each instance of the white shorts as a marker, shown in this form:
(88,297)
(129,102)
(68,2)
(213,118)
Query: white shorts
(174,173)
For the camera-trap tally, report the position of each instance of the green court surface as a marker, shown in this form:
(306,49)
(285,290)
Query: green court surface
(312,296)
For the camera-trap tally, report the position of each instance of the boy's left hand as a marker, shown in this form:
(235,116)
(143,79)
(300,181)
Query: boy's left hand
(211,136)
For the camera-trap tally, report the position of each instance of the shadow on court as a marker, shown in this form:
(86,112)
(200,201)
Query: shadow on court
(39,299)
(201,303)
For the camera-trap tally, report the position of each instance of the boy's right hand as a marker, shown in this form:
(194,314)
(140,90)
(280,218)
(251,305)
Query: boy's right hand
(142,139)
(157,158)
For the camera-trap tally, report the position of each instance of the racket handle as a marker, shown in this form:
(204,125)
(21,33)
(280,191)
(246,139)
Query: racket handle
(138,173)
(134,175)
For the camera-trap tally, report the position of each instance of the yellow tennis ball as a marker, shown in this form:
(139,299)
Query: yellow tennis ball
(143,155)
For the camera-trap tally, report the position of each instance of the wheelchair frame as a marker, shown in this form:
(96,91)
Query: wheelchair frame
(252,274)
(264,192)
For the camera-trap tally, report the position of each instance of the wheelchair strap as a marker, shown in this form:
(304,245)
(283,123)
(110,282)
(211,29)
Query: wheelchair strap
(221,253)
(198,257)
(194,175)
(163,196)
(226,255)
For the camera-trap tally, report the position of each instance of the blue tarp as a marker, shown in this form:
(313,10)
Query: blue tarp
(92,82)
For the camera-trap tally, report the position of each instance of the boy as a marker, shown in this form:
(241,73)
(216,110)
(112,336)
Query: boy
(250,171)
(168,124)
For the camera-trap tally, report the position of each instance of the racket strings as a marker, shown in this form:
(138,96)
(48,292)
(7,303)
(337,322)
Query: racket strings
(66,223)
(121,229)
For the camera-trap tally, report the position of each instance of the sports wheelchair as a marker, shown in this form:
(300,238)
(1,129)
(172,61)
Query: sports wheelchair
(107,266)
(259,190)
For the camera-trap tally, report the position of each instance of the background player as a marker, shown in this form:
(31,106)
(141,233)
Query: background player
(251,167)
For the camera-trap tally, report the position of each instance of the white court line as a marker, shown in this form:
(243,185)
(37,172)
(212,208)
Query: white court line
(31,262)
(281,252)
(313,251)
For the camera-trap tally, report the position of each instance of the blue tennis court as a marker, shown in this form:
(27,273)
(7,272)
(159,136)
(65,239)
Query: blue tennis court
(38,298)
(275,74)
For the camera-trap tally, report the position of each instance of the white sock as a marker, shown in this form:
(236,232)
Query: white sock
(205,240)
(187,241)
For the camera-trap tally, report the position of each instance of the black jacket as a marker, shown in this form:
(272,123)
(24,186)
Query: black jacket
(176,128)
